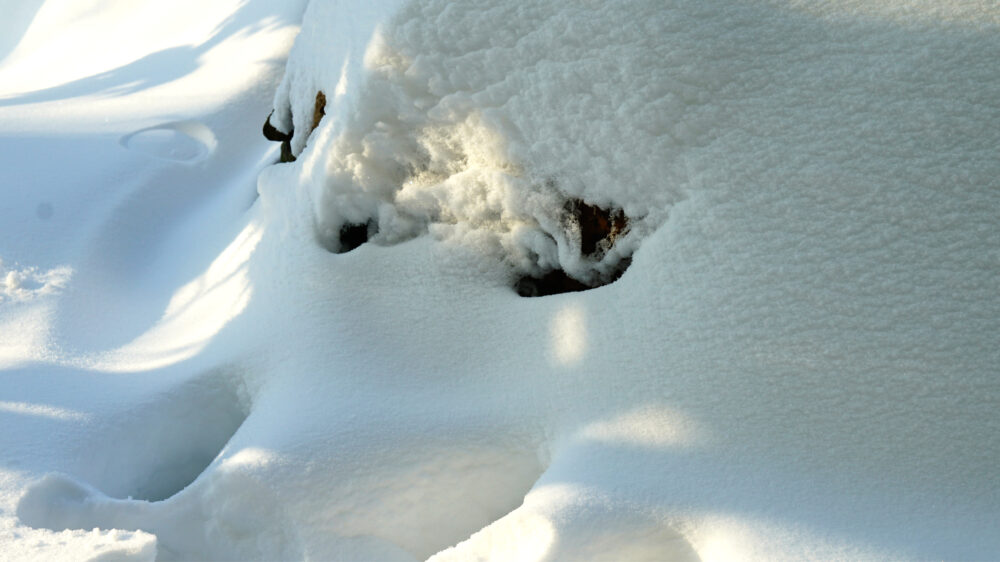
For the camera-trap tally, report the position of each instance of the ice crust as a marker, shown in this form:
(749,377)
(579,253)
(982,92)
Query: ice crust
(800,362)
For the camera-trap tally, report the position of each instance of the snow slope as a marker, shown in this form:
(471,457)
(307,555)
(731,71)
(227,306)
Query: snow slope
(800,361)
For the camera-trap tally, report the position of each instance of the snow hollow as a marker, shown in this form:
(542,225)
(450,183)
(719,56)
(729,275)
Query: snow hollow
(532,280)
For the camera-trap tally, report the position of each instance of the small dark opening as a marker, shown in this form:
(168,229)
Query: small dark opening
(354,235)
(552,283)
(557,282)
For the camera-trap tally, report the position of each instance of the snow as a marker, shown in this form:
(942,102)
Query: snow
(799,362)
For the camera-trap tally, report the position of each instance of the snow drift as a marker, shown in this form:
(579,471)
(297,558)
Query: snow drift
(790,350)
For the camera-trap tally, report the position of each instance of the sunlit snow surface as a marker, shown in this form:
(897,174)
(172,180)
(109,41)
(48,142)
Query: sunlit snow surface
(801,361)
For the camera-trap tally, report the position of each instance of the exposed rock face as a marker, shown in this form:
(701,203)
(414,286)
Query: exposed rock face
(598,227)
(319,110)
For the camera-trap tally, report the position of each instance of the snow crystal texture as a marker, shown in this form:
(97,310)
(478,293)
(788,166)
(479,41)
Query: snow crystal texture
(800,362)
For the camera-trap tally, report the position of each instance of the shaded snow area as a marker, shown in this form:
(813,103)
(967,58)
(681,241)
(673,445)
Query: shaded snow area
(523,280)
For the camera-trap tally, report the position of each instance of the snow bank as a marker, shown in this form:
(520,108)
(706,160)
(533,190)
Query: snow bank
(813,286)
(799,362)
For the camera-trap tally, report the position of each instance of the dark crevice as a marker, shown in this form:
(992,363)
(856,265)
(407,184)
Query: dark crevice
(271,133)
(557,282)
(353,235)
(286,152)
(552,283)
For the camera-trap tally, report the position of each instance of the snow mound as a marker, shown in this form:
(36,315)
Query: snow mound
(465,136)
(802,187)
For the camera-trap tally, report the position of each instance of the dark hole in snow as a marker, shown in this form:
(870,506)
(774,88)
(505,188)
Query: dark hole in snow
(557,282)
(598,229)
(552,283)
(354,235)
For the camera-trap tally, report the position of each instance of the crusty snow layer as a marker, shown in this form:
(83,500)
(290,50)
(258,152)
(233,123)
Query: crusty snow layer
(801,361)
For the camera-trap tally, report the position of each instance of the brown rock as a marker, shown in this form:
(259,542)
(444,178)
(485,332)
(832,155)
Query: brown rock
(319,110)
(596,225)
